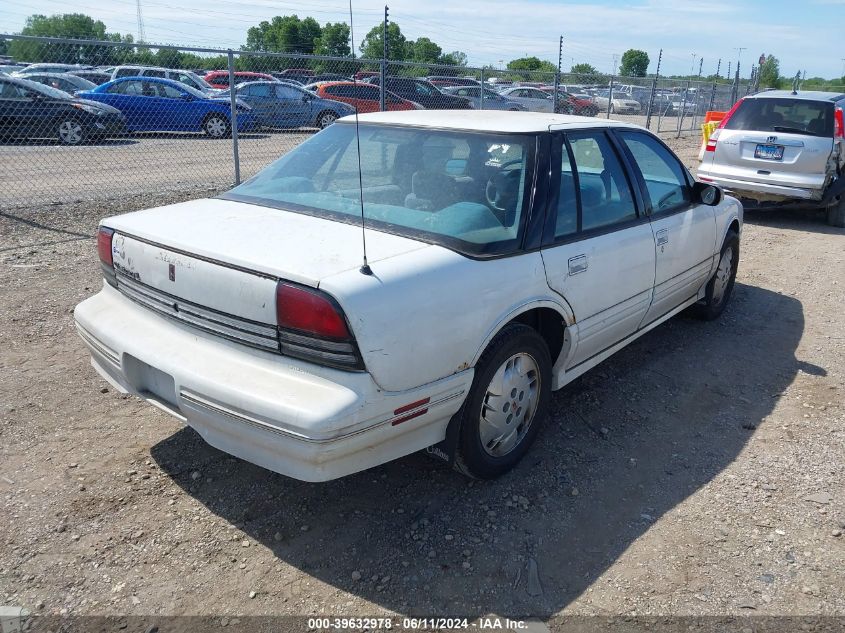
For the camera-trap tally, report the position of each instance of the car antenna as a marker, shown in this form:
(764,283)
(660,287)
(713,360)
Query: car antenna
(365,267)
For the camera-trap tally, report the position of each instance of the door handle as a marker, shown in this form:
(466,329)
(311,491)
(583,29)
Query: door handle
(662,237)
(577,264)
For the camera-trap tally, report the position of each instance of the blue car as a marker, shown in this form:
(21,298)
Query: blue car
(284,105)
(152,104)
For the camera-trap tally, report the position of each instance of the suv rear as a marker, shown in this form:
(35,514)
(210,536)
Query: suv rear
(780,148)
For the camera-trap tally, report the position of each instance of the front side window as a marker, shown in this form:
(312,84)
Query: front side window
(664,177)
(604,190)
(286,92)
(169,92)
(463,190)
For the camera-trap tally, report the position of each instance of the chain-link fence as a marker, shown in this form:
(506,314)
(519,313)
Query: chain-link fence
(93,120)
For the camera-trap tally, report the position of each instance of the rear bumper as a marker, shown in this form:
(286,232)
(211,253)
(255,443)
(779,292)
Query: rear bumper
(762,192)
(291,417)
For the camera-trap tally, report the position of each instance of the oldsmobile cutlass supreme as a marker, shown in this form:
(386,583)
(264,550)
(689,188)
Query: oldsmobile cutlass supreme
(508,253)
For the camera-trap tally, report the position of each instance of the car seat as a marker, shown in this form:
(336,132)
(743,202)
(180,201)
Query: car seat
(430,191)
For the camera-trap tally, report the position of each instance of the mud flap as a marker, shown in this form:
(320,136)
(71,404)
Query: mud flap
(445,449)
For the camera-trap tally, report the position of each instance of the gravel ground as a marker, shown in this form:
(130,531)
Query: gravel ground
(697,472)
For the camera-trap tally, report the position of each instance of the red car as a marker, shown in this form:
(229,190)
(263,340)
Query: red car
(363,74)
(220,78)
(363,96)
(568,103)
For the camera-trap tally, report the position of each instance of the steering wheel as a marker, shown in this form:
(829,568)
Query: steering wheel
(501,186)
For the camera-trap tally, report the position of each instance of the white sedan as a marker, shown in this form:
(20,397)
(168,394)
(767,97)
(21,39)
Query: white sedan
(507,254)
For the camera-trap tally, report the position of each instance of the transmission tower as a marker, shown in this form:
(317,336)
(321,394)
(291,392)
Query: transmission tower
(141,37)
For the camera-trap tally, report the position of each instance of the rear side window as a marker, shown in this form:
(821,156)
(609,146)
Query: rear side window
(793,116)
(126,72)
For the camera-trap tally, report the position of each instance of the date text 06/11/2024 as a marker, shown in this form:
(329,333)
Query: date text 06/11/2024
(488,623)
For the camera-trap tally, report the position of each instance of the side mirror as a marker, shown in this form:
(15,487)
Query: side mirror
(707,194)
(306,98)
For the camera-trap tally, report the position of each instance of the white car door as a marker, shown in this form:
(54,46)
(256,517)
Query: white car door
(684,232)
(599,249)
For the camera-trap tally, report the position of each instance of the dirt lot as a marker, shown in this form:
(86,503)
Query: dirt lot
(699,471)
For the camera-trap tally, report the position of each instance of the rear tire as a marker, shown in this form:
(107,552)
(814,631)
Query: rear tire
(719,288)
(506,405)
(216,126)
(836,213)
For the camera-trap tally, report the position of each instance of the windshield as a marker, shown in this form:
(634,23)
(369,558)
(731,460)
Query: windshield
(795,116)
(463,190)
(53,93)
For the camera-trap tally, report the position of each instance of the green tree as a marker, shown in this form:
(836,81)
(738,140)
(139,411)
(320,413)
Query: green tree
(373,45)
(584,69)
(284,34)
(770,73)
(334,40)
(531,64)
(69,25)
(424,51)
(634,63)
(455,58)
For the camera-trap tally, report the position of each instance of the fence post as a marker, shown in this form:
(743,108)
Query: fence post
(683,110)
(650,103)
(233,117)
(482,89)
(712,97)
(610,97)
(382,82)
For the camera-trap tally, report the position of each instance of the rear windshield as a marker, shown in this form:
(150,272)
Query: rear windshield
(463,190)
(794,116)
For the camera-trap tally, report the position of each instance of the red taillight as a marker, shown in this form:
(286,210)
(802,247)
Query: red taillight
(838,123)
(104,236)
(309,311)
(714,136)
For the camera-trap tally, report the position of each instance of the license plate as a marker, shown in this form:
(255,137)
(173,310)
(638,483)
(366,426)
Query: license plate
(769,152)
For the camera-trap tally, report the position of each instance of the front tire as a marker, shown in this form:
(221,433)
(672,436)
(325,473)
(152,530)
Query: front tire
(326,119)
(507,403)
(216,126)
(836,213)
(720,287)
(70,132)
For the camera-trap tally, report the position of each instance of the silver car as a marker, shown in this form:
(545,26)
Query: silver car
(492,99)
(533,99)
(781,148)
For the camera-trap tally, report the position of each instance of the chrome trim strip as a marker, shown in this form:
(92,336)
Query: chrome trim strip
(313,341)
(199,401)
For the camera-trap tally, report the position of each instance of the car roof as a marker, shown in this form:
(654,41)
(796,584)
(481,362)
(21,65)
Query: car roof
(811,95)
(488,120)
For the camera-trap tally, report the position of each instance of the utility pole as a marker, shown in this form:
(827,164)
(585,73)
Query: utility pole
(692,67)
(141,37)
(653,90)
(385,53)
(700,67)
(718,67)
(557,74)
(615,57)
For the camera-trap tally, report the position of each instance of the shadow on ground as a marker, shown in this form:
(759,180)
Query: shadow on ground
(636,436)
(795,220)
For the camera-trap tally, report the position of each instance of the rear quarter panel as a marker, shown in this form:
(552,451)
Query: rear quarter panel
(429,313)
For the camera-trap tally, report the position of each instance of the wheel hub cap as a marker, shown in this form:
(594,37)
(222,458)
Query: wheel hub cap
(723,275)
(509,405)
(70,131)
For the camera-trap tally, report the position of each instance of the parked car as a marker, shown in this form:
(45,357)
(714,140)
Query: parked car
(151,104)
(533,99)
(782,149)
(580,105)
(621,103)
(48,68)
(97,77)
(282,105)
(422,92)
(492,99)
(252,318)
(31,110)
(65,82)
(365,74)
(220,78)
(442,81)
(187,77)
(363,96)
